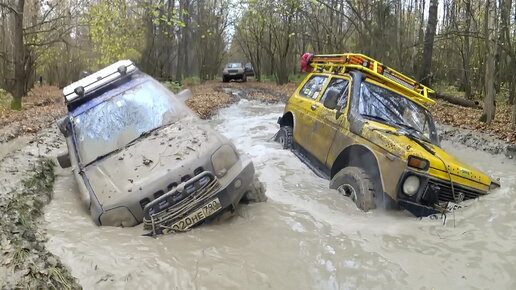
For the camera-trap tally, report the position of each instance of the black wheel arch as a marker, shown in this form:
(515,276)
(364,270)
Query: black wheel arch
(362,157)
(287,120)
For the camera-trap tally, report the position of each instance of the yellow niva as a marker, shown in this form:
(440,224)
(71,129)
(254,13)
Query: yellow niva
(365,127)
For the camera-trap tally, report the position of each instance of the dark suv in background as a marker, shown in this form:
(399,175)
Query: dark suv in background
(234,71)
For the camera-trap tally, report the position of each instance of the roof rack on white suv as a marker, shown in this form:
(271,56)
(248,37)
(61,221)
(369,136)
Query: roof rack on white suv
(97,80)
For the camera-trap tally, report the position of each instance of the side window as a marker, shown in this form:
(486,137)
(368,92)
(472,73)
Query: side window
(313,87)
(337,86)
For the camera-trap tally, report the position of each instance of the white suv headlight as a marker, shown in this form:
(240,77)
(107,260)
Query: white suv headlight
(223,159)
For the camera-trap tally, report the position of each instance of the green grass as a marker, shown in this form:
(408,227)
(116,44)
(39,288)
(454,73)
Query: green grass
(267,78)
(189,81)
(178,86)
(296,78)
(5,99)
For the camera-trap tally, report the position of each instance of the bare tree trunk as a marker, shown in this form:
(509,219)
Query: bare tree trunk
(513,112)
(490,32)
(19,57)
(426,65)
(185,40)
(467,52)
(507,45)
(512,95)
(180,48)
(3,48)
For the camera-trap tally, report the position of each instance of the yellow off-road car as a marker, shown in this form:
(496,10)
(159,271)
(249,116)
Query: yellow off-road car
(365,127)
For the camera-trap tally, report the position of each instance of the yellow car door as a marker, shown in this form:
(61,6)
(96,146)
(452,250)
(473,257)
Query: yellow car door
(329,119)
(304,104)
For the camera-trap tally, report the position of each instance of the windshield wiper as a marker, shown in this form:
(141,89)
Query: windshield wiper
(413,130)
(145,134)
(101,157)
(412,137)
(142,135)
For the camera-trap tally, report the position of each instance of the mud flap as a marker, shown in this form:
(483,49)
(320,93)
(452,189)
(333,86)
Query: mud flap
(64,160)
(417,210)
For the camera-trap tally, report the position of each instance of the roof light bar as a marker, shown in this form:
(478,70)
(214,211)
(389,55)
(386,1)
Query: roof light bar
(99,79)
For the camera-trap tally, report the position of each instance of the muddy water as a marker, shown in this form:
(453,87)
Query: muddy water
(304,237)
(12,145)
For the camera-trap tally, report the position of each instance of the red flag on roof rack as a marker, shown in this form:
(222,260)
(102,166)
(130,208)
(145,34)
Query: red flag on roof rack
(305,62)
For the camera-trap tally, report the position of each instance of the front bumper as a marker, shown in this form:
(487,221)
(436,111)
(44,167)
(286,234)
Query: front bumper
(234,75)
(198,199)
(434,195)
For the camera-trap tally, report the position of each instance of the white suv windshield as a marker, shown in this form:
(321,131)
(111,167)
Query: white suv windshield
(119,120)
(386,106)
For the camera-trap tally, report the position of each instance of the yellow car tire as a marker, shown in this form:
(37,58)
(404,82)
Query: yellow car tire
(284,137)
(357,184)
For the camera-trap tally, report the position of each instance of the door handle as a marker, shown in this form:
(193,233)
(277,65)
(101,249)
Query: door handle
(314,107)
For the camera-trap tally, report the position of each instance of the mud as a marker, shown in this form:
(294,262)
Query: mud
(306,236)
(27,177)
(477,140)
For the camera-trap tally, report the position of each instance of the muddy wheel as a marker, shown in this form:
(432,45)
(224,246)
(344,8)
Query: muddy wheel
(224,79)
(357,184)
(284,137)
(244,79)
(255,193)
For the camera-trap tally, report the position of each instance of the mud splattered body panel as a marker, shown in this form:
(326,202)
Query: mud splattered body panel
(365,130)
(134,141)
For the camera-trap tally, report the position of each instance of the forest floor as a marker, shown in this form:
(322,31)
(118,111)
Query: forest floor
(28,172)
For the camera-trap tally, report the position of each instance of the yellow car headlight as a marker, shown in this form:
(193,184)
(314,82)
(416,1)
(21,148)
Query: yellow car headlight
(411,185)
(223,159)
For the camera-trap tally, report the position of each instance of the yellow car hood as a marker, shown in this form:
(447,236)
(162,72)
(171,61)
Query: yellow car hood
(396,142)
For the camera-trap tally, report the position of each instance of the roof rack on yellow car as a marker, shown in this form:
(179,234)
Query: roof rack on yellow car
(340,63)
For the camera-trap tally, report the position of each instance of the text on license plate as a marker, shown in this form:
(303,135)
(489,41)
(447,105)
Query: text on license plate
(198,215)
(452,206)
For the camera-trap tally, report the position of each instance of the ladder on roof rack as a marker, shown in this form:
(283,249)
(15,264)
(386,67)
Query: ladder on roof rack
(340,63)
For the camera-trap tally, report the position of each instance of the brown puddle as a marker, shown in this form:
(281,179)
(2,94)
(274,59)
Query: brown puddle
(305,236)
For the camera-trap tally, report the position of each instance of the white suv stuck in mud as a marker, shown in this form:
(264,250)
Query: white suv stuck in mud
(140,155)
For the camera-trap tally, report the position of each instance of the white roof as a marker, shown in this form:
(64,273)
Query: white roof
(98,79)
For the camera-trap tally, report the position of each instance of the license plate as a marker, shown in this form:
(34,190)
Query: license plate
(452,206)
(196,216)
(232,74)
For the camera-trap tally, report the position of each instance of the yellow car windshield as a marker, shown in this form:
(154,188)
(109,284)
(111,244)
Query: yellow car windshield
(385,106)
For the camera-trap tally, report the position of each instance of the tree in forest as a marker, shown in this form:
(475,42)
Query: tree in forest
(113,30)
(490,47)
(36,26)
(428,45)
(250,34)
(209,36)
(17,86)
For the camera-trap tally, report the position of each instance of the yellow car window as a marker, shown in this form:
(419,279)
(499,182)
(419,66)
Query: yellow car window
(340,86)
(313,87)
